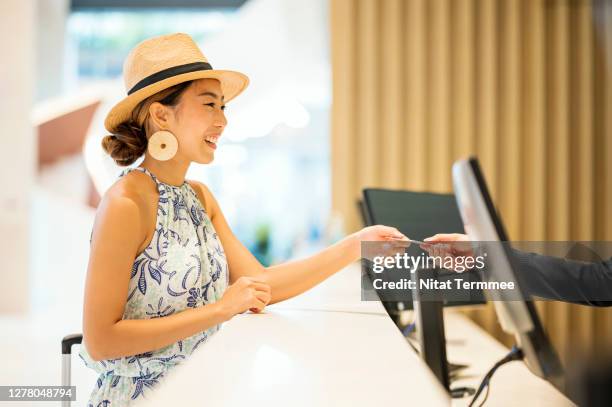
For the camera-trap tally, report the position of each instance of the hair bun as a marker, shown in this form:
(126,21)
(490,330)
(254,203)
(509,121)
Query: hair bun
(127,145)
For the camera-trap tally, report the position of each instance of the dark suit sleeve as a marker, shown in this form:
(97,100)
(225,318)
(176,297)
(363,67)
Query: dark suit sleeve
(566,280)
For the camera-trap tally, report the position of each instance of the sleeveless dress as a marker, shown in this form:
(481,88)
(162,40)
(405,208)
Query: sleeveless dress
(183,267)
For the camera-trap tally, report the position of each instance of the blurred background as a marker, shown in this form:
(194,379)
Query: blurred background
(344,94)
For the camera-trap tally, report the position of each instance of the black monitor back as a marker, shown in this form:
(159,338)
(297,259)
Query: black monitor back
(416,214)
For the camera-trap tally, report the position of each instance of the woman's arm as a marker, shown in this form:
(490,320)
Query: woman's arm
(117,235)
(292,278)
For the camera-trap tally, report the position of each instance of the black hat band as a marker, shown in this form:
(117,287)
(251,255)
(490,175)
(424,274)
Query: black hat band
(170,72)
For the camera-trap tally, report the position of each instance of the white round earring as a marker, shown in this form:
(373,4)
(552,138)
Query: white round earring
(162,145)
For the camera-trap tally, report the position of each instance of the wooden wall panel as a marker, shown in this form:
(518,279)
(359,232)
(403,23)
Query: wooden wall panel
(392,81)
(415,93)
(525,85)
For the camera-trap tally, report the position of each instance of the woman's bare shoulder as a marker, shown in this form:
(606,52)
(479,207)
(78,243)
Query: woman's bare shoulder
(131,193)
(135,186)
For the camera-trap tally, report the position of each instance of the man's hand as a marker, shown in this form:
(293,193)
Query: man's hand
(446,245)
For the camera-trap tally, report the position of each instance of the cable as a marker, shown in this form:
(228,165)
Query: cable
(486,396)
(409,329)
(514,354)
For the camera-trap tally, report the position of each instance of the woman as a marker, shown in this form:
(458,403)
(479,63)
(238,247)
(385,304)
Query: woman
(165,270)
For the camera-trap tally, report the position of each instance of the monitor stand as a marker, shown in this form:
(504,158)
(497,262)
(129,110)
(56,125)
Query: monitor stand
(429,319)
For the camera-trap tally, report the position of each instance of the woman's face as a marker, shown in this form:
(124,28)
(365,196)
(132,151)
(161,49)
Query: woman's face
(198,120)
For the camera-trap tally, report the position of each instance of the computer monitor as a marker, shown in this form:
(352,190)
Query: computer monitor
(517,317)
(418,215)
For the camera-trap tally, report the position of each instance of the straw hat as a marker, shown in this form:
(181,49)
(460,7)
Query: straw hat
(161,62)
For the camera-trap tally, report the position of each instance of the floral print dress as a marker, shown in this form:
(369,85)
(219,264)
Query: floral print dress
(183,267)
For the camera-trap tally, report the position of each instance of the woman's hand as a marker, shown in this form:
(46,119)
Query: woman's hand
(380,233)
(397,241)
(246,293)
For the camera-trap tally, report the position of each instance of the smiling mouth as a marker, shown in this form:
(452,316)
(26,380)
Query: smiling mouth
(211,141)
